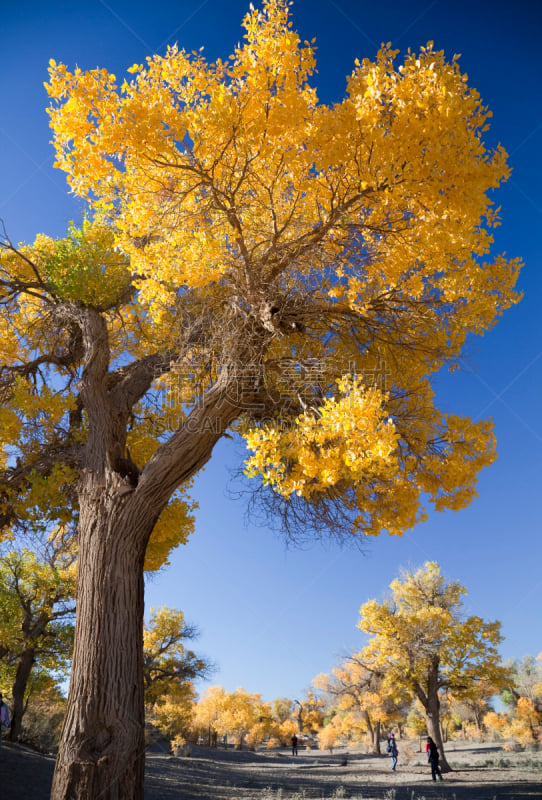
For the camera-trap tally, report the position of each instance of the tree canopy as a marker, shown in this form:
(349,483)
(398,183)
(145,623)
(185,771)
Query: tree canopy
(326,259)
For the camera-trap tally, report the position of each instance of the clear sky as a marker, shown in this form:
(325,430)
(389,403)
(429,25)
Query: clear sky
(273,618)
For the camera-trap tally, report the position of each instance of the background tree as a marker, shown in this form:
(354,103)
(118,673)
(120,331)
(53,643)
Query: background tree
(169,671)
(36,619)
(282,709)
(522,725)
(330,734)
(312,712)
(476,705)
(526,682)
(359,688)
(173,714)
(428,646)
(238,714)
(285,720)
(523,696)
(263,243)
(167,662)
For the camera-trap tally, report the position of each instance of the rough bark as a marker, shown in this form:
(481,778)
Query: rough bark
(102,744)
(431,704)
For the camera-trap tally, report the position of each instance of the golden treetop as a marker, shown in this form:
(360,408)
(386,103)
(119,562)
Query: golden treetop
(233,171)
(422,628)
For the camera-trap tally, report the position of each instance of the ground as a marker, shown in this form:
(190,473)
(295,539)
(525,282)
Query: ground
(481,772)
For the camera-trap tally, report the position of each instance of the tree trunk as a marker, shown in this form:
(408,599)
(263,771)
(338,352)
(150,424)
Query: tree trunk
(101,753)
(24,668)
(377,736)
(431,703)
(432,716)
(374,733)
(102,746)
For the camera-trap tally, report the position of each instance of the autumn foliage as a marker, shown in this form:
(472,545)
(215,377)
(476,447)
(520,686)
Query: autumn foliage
(236,194)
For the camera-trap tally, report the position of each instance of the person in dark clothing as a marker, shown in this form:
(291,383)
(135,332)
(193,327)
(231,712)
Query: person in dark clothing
(4,718)
(294,745)
(392,750)
(433,756)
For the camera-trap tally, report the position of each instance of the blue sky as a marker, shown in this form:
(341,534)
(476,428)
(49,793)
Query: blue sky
(271,617)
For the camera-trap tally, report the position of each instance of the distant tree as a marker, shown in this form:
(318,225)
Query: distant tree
(282,709)
(237,714)
(359,688)
(477,704)
(167,662)
(526,682)
(285,719)
(310,712)
(170,669)
(37,609)
(329,735)
(173,713)
(421,635)
(523,722)
(44,713)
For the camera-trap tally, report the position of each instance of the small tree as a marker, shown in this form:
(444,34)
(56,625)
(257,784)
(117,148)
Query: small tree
(310,712)
(526,682)
(329,735)
(167,662)
(37,610)
(44,714)
(523,722)
(169,669)
(427,646)
(359,688)
(282,709)
(237,714)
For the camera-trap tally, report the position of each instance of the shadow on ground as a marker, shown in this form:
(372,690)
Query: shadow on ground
(230,775)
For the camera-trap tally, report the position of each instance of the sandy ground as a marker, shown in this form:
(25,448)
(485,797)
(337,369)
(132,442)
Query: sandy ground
(481,772)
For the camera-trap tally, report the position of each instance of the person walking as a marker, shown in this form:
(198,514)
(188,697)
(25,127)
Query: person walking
(393,751)
(294,745)
(5,721)
(433,756)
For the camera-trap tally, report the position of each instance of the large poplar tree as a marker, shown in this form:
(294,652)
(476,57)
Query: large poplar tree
(258,262)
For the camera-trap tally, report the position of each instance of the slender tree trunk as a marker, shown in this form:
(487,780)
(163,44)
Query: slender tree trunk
(432,715)
(377,737)
(24,668)
(300,718)
(374,733)
(102,745)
